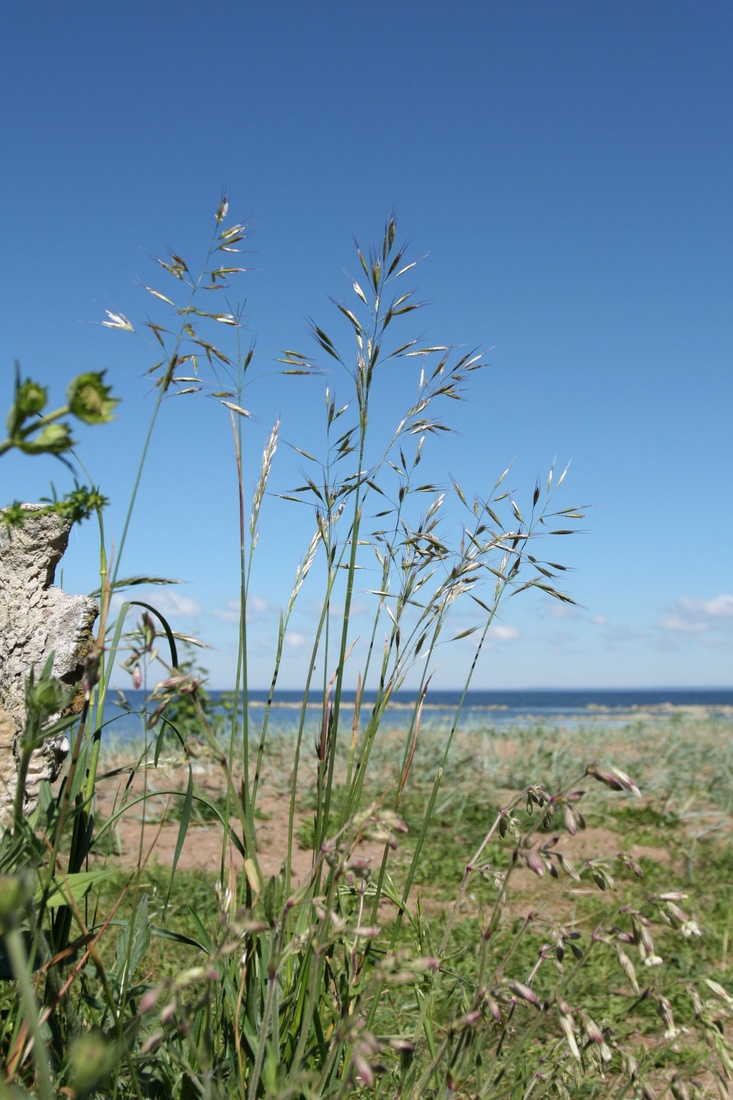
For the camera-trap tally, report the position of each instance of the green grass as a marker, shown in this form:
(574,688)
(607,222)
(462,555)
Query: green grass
(189,907)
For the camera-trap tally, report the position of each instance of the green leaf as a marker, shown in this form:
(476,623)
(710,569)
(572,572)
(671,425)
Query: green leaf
(182,831)
(129,582)
(53,439)
(73,887)
(133,941)
(465,633)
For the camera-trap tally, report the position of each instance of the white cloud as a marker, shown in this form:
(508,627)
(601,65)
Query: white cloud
(170,604)
(692,615)
(720,607)
(556,609)
(116,603)
(505,633)
(677,625)
(257,607)
(174,604)
(228,614)
(620,634)
(295,640)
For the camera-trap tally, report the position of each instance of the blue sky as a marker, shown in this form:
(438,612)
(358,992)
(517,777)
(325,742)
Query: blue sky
(565,169)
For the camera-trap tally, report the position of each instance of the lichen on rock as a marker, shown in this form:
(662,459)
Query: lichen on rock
(36,619)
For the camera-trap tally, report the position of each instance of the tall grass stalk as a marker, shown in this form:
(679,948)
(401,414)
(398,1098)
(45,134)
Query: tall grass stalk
(351,976)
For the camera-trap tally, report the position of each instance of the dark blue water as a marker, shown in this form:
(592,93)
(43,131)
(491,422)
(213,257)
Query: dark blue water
(481,709)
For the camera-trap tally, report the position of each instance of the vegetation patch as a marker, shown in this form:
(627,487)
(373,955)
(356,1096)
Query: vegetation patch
(357,909)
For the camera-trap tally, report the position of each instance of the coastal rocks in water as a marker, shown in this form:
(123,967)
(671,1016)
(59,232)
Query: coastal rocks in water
(36,619)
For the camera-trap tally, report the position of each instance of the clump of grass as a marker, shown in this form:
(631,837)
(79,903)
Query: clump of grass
(420,971)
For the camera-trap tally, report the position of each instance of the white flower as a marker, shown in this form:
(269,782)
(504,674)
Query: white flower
(117,320)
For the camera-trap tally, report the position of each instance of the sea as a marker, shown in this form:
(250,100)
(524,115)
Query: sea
(481,709)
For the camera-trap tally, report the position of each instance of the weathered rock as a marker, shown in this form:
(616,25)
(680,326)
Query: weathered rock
(36,619)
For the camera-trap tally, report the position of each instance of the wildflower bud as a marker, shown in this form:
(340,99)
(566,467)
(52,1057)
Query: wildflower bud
(525,993)
(147,626)
(608,778)
(591,1029)
(254,927)
(534,863)
(719,991)
(468,1020)
(630,1064)
(568,866)
(403,1046)
(645,939)
(566,1023)
(360,866)
(676,915)
(137,677)
(570,820)
(30,400)
(151,1042)
(367,932)
(679,1089)
(46,696)
(195,974)
(630,863)
(89,399)
(90,676)
(363,1068)
(602,878)
(628,968)
(664,1008)
(149,999)
(627,783)
(427,962)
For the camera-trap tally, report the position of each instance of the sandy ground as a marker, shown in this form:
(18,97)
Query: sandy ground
(153,836)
